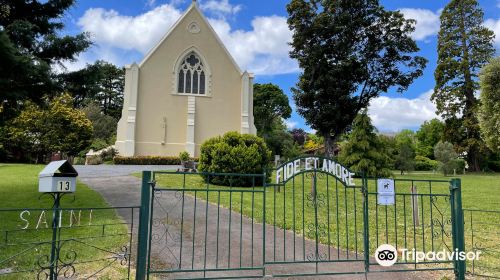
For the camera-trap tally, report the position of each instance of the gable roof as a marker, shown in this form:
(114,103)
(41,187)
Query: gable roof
(194,5)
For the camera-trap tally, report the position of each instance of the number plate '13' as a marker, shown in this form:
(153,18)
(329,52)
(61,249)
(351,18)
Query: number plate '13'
(63,186)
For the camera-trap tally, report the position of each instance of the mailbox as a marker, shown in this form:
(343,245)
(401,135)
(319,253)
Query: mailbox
(57,176)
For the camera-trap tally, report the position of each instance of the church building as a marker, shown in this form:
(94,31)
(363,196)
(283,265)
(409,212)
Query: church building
(187,89)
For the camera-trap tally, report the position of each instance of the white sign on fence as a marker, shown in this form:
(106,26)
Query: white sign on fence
(385,192)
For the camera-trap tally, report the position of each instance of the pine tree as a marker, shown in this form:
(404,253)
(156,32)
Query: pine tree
(364,152)
(464,46)
(31,34)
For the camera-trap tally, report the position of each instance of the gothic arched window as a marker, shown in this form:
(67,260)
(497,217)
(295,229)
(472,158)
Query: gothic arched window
(191,78)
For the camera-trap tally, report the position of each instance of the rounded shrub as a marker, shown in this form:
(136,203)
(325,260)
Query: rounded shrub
(235,153)
(425,164)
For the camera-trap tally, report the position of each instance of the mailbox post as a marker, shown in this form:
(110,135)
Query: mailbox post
(57,178)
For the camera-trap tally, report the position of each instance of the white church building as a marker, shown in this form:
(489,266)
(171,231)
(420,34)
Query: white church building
(187,89)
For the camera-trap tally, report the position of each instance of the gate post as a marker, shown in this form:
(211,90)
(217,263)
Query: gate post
(142,242)
(366,232)
(457,216)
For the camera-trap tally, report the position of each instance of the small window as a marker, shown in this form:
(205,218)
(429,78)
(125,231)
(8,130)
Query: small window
(191,75)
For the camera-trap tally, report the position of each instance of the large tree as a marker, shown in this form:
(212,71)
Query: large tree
(464,46)
(53,126)
(428,135)
(350,52)
(270,105)
(489,117)
(364,152)
(31,40)
(100,82)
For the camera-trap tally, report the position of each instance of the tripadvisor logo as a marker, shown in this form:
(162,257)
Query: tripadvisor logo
(387,255)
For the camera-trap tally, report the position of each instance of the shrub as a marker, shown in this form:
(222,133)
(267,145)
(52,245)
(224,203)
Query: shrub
(79,161)
(235,153)
(425,164)
(184,156)
(94,160)
(148,160)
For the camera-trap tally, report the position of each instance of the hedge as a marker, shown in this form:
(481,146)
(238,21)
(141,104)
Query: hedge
(149,160)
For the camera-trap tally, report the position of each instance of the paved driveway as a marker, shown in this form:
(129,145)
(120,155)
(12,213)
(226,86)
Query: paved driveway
(119,188)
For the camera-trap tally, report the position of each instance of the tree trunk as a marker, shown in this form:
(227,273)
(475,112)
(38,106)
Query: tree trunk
(329,145)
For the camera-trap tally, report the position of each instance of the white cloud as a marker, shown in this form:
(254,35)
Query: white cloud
(290,124)
(427,22)
(495,26)
(109,28)
(262,50)
(220,8)
(394,114)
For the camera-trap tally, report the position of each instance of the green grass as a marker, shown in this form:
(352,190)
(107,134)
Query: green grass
(340,212)
(91,236)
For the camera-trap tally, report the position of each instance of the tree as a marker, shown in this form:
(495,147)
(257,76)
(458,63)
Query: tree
(58,127)
(489,112)
(350,52)
(363,152)
(101,82)
(299,136)
(406,137)
(444,153)
(429,134)
(269,104)
(104,126)
(464,46)
(34,44)
(405,159)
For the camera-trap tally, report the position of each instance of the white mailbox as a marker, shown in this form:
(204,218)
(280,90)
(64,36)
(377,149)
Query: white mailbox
(57,176)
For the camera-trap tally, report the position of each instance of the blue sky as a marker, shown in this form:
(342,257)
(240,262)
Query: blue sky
(255,32)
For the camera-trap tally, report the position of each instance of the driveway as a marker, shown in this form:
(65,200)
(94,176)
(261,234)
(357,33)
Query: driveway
(214,237)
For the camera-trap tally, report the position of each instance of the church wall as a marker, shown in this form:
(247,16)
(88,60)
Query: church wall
(216,113)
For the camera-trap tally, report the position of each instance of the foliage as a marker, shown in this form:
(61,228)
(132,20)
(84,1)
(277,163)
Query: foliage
(148,160)
(102,83)
(445,154)
(425,164)
(489,113)
(363,152)
(464,46)
(104,125)
(280,141)
(184,156)
(350,52)
(59,127)
(299,136)
(269,104)
(31,40)
(406,137)
(390,147)
(429,134)
(405,158)
(234,153)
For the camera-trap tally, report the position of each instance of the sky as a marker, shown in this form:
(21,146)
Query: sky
(256,34)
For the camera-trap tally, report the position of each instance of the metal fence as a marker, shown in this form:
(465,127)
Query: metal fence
(67,243)
(482,233)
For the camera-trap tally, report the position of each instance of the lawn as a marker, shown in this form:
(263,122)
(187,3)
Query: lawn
(340,213)
(90,238)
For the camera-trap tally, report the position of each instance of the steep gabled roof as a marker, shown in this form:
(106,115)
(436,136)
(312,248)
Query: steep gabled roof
(194,6)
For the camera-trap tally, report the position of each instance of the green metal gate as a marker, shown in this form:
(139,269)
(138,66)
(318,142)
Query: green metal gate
(315,218)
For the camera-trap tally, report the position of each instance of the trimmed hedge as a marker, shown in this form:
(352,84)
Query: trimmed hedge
(148,160)
(235,153)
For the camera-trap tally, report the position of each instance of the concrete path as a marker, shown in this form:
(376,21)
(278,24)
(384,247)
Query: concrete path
(190,233)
